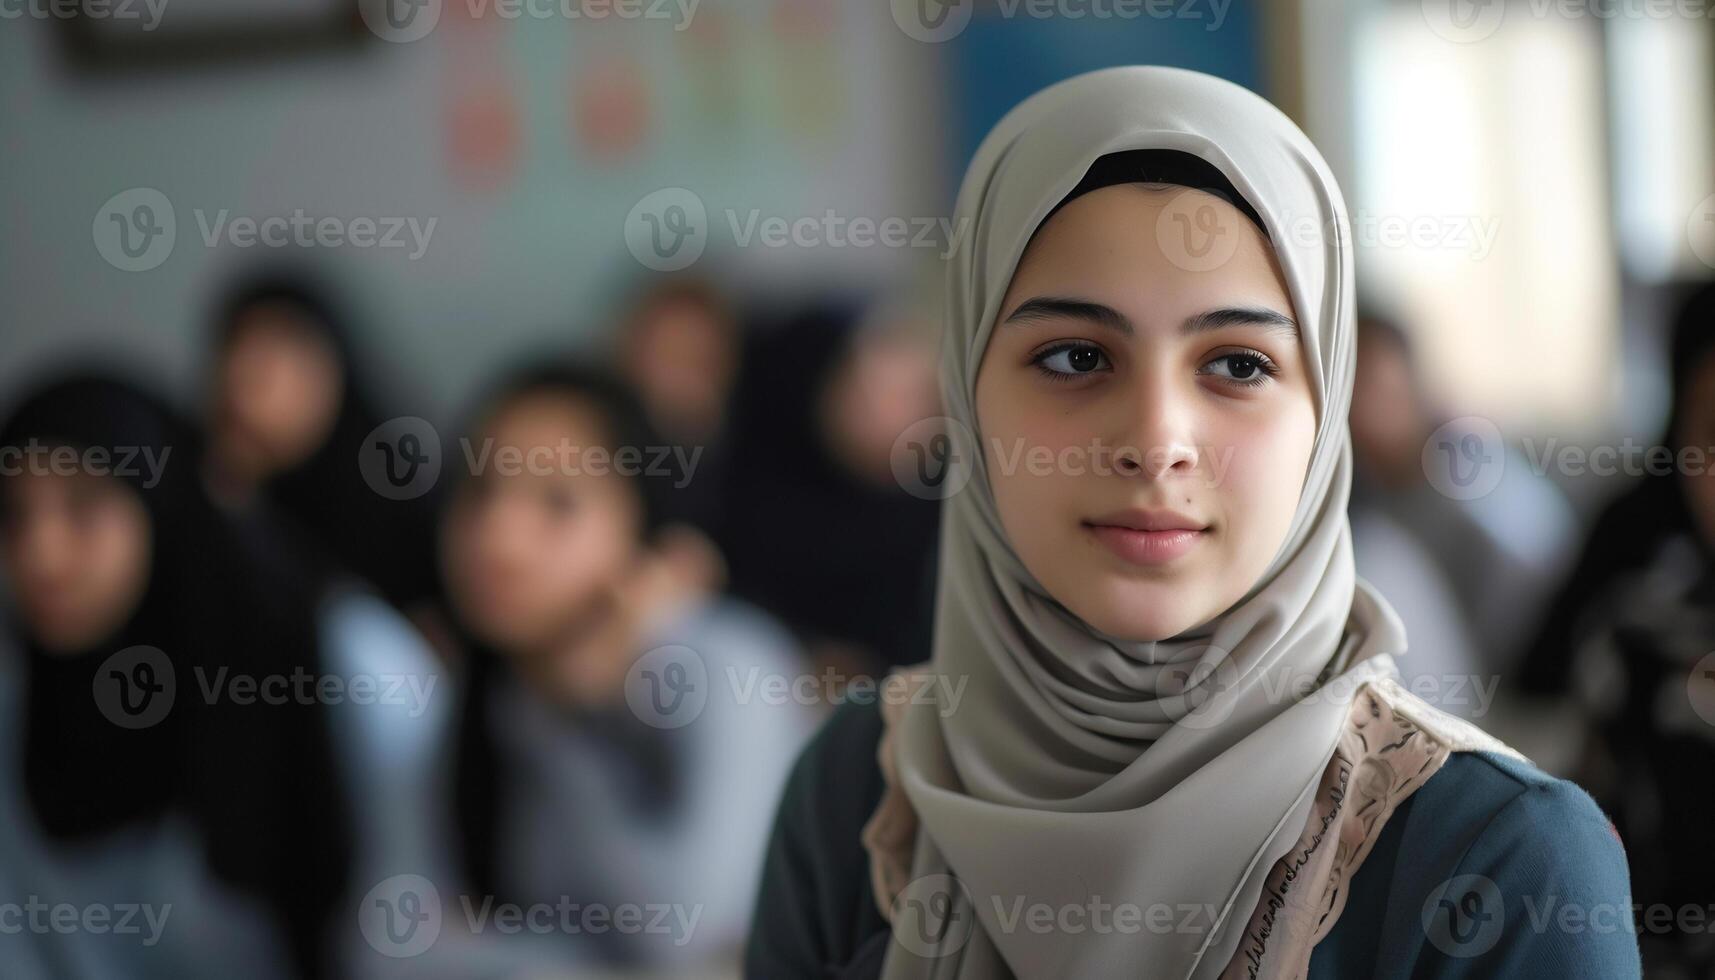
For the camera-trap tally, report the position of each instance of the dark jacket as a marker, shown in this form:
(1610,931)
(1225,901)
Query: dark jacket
(1555,862)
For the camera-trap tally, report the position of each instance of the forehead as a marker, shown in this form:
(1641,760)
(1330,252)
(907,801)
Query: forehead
(1151,248)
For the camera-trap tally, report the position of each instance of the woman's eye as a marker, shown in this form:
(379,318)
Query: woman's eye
(560,500)
(1071,360)
(1245,369)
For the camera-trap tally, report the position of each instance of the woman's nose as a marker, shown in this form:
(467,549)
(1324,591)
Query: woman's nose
(1157,437)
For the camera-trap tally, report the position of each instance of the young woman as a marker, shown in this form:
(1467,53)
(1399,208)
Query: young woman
(289,408)
(123,778)
(608,753)
(1159,734)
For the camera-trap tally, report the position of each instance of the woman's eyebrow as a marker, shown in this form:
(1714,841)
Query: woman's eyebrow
(1102,315)
(1061,308)
(1232,316)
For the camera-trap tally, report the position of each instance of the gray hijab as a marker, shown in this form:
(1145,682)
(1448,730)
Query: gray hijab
(1098,807)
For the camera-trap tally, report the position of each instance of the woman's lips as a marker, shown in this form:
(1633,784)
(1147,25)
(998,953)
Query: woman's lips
(1146,547)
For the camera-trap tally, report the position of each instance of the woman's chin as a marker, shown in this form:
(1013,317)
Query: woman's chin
(1144,615)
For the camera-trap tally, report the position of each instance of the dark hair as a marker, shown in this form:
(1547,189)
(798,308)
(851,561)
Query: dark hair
(1175,167)
(481,771)
(622,419)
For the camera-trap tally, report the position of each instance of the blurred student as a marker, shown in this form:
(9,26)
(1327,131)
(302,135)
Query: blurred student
(825,535)
(679,348)
(137,770)
(1630,642)
(1498,551)
(619,745)
(289,408)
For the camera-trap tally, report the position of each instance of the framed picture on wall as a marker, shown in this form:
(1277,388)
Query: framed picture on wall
(103,35)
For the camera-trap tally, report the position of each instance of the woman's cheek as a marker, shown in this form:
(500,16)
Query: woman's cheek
(1258,474)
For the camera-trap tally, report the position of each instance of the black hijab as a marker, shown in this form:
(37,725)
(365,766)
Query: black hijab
(257,782)
(834,556)
(333,520)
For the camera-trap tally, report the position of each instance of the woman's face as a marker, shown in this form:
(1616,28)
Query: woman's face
(77,553)
(1146,421)
(277,392)
(532,541)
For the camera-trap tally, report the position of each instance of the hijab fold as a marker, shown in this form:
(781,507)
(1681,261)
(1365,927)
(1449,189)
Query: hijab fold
(1082,769)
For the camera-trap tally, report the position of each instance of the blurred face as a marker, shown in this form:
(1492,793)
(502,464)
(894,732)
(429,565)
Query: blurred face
(1147,429)
(1697,428)
(277,392)
(1387,424)
(77,552)
(679,356)
(529,550)
(884,386)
